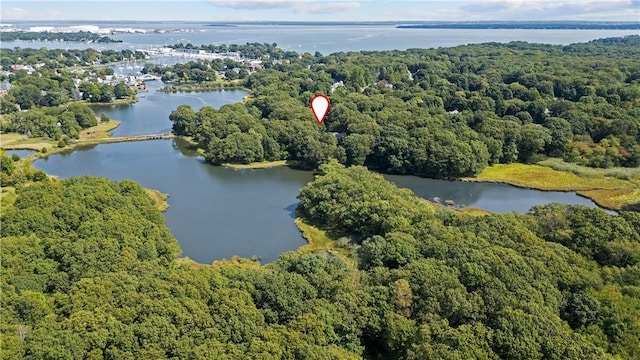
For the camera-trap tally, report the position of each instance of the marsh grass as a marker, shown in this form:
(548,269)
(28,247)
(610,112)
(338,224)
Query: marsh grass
(606,187)
(159,198)
(584,171)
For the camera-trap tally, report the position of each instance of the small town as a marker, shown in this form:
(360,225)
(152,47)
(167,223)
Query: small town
(128,77)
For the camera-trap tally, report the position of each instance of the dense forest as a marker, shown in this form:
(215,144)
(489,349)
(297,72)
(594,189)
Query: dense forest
(445,112)
(90,271)
(51,122)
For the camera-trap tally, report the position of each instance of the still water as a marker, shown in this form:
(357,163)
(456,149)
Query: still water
(150,115)
(214,212)
(499,198)
(21,153)
(334,38)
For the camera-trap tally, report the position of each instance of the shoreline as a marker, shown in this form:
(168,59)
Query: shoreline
(218,85)
(607,192)
(100,133)
(111,103)
(256,165)
(577,192)
(91,135)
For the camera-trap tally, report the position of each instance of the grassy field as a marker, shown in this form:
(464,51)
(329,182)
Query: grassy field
(607,191)
(19,141)
(584,171)
(190,263)
(616,199)
(99,131)
(113,102)
(257,165)
(7,196)
(234,261)
(159,198)
(319,240)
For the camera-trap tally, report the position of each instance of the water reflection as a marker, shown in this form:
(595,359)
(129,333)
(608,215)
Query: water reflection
(214,212)
(291,209)
(494,197)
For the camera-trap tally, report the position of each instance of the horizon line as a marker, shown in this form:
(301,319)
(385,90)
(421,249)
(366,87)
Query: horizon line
(329,21)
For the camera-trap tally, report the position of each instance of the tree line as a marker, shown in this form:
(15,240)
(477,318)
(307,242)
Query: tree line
(60,58)
(51,122)
(80,36)
(198,71)
(249,50)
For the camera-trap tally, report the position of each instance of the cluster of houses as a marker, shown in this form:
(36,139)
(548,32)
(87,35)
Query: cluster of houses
(30,69)
(74,29)
(196,54)
(134,82)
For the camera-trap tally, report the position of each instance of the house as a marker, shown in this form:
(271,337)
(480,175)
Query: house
(384,84)
(336,85)
(4,88)
(17,67)
(255,65)
(339,136)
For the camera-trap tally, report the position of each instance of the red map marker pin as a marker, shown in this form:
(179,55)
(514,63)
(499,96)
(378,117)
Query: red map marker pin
(320,107)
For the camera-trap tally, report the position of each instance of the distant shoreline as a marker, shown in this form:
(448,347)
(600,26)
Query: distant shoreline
(526,25)
(550,25)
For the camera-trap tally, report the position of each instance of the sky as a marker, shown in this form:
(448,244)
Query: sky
(321,10)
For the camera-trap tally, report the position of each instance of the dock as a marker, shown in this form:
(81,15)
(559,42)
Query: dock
(146,137)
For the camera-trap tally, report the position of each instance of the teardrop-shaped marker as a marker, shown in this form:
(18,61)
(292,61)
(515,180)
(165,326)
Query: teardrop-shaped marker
(320,107)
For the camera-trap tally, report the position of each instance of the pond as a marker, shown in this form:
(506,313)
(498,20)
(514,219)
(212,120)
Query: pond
(214,212)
